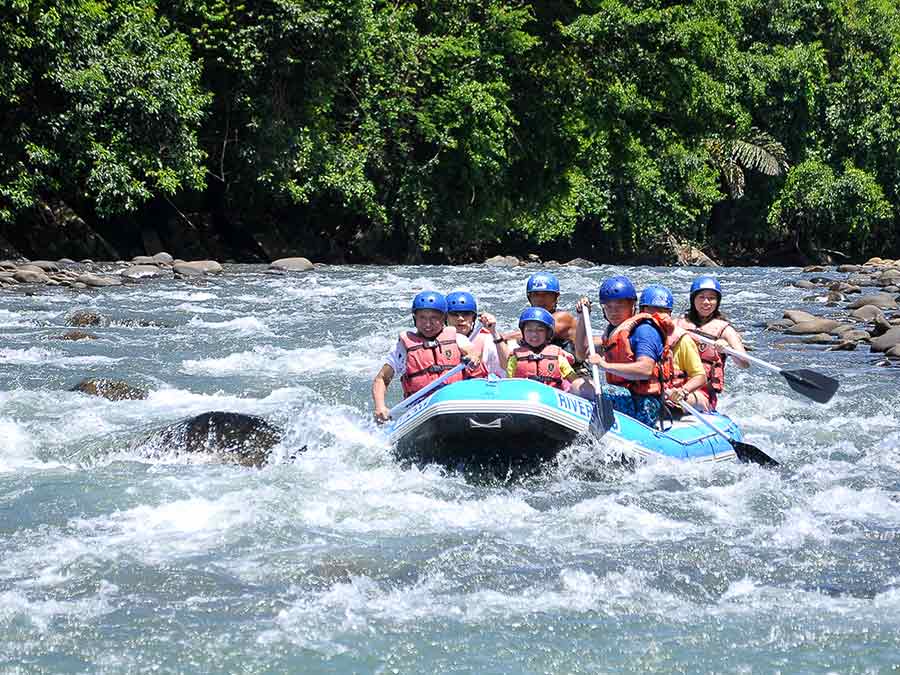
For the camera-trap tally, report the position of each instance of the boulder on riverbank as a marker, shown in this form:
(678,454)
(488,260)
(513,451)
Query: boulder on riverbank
(292,265)
(503,261)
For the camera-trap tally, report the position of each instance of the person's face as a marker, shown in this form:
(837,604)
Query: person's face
(535,333)
(705,303)
(463,322)
(618,310)
(650,309)
(429,322)
(544,299)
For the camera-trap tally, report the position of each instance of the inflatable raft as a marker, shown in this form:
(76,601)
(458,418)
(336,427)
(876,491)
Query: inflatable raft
(490,421)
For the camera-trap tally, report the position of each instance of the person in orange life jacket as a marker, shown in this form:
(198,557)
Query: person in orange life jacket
(688,381)
(462,310)
(536,358)
(423,355)
(542,290)
(704,315)
(633,350)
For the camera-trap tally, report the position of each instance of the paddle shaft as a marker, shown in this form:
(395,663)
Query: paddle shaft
(589,332)
(405,403)
(744,451)
(737,354)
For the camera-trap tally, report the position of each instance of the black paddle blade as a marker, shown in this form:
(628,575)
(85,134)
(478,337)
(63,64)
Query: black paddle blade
(751,454)
(602,417)
(820,388)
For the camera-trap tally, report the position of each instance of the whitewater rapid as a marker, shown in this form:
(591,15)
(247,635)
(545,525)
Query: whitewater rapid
(344,561)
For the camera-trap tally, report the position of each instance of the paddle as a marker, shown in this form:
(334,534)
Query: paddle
(744,451)
(408,401)
(816,386)
(602,406)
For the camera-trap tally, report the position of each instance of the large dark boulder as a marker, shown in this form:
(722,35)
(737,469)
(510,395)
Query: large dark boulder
(232,438)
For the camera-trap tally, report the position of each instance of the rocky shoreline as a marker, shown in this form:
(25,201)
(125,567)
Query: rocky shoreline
(89,274)
(862,309)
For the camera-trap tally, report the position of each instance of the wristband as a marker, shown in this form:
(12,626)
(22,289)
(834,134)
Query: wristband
(498,340)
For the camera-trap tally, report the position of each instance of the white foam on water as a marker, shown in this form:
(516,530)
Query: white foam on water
(42,613)
(245,325)
(277,362)
(186,296)
(38,355)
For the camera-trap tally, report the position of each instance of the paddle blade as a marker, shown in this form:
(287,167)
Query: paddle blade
(751,454)
(602,417)
(820,388)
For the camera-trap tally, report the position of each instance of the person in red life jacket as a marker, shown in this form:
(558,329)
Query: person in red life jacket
(423,355)
(688,381)
(704,316)
(535,357)
(462,312)
(634,349)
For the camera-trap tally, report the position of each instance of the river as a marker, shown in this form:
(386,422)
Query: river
(344,561)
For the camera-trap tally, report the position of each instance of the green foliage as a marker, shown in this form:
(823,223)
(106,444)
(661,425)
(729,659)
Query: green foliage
(455,126)
(818,206)
(101,104)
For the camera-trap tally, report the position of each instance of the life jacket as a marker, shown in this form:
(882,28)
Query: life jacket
(713,361)
(617,349)
(542,366)
(426,359)
(480,342)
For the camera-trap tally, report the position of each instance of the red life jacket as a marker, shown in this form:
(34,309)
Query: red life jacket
(542,366)
(427,360)
(480,342)
(617,349)
(713,362)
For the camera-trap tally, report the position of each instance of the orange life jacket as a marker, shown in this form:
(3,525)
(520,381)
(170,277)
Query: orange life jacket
(480,342)
(617,349)
(426,360)
(542,366)
(713,361)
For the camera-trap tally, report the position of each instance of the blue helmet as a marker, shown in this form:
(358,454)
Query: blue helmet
(430,300)
(460,301)
(657,296)
(706,283)
(617,288)
(538,314)
(542,281)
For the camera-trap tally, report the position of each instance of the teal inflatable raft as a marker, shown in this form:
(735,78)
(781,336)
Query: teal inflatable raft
(516,420)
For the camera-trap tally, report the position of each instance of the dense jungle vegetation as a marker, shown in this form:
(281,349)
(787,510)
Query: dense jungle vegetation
(448,130)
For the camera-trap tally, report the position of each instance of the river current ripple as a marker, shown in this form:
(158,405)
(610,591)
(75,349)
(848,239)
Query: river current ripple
(344,561)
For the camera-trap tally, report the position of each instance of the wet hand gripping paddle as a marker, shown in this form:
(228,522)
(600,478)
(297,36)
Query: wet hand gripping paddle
(744,451)
(603,416)
(816,386)
(409,400)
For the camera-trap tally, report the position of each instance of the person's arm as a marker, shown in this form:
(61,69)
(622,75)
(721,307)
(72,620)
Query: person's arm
(641,369)
(500,346)
(379,390)
(565,326)
(468,349)
(581,343)
(733,339)
(687,359)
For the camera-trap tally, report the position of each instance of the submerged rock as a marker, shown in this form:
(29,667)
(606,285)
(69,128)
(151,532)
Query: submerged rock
(81,318)
(113,390)
(76,335)
(233,438)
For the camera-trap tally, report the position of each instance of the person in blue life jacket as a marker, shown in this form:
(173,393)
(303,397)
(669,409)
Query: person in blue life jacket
(632,350)
(423,355)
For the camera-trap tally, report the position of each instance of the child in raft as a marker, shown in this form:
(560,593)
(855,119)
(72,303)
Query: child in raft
(425,354)
(536,358)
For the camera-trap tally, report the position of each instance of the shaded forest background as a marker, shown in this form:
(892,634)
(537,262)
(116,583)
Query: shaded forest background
(353,130)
